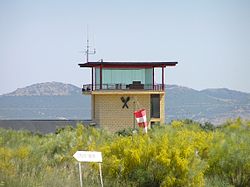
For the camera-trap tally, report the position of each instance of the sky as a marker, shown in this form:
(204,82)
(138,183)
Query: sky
(43,40)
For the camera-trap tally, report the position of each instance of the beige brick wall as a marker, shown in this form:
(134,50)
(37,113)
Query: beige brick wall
(107,109)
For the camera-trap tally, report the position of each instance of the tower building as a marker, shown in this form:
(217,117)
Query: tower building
(117,89)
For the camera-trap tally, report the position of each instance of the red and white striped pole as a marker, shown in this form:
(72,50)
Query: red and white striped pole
(141,119)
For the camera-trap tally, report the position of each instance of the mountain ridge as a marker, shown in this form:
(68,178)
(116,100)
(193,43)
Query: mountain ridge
(46,89)
(65,89)
(213,105)
(56,100)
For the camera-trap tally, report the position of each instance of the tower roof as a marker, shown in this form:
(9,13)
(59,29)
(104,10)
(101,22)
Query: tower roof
(128,64)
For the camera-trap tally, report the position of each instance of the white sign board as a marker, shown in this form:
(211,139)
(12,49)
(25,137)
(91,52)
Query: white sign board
(88,156)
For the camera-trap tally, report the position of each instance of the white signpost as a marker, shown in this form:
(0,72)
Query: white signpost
(89,156)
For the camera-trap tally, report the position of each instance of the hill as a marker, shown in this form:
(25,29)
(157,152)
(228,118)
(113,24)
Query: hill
(213,105)
(47,89)
(55,100)
(227,95)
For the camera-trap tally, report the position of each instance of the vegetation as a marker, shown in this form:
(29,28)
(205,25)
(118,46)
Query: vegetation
(183,153)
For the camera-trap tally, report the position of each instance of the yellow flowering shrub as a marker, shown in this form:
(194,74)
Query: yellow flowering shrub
(166,157)
(229,157)
(183,153)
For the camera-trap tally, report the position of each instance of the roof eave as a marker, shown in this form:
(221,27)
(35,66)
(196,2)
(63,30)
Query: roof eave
(128,64)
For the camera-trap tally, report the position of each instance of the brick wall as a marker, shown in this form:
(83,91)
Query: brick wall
(108,112)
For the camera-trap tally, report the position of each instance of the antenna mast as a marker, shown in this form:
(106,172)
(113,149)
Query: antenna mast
(88,51)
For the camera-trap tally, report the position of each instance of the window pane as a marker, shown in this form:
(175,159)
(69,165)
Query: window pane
(155,106)
(97,77)
(149,78)
(127,76)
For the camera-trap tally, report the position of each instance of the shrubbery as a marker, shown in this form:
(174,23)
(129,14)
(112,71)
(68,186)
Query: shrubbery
(229,157)
(184,153)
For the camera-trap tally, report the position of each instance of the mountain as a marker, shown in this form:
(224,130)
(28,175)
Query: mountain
(50,100)
(55,100)
(182,95)
(47,89)
(227,95)
(213,105)
(45,107)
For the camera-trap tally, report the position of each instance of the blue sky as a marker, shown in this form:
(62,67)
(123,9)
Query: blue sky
(40,41)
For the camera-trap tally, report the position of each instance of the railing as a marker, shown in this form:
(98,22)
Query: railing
(89,87)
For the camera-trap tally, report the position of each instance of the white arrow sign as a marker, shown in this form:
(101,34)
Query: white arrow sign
(88,156)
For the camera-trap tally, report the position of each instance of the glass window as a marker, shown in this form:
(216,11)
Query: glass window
(97,78)
(155,106)
(149,78)
(125,76)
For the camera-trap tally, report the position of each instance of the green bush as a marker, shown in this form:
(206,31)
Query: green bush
(165,157)
(183,153)
(229,157)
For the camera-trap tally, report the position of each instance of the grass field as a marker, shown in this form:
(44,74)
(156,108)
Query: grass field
(183,153)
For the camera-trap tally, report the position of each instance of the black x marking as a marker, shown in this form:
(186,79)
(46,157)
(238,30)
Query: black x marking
(125,102)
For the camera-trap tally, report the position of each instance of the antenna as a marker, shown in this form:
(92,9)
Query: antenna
(88,51)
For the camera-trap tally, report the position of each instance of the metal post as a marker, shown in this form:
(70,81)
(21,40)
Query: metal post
(92,74)
(100,77)
(96,87)
(80,173)
(134,114)
(133,130)
(162,74)
(153,78)
(87,51)
(100,169)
